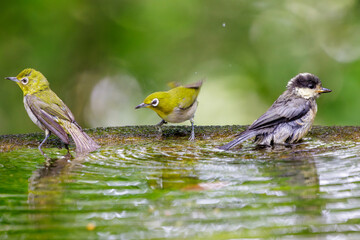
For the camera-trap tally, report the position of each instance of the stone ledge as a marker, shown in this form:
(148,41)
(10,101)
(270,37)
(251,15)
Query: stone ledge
(116,135)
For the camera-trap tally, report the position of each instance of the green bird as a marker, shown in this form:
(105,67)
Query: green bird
(50,113)
(176,105)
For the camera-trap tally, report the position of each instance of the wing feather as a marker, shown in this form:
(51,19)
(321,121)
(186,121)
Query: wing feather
(282,111)
(48,114)
(196,85)
(188,94)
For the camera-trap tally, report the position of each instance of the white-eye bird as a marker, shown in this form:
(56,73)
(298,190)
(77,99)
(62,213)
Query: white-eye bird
(289,118)
(50,113)
(176,105)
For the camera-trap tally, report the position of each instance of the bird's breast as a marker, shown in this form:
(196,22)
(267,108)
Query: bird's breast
(181,115)
(305,123)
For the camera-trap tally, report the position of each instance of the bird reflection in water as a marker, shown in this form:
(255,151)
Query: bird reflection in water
(47,186)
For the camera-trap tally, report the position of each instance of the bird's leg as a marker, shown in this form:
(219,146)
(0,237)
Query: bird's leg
(67,148)
(192,135)
(161,123)
(47,134)
(68,154)
(158,126)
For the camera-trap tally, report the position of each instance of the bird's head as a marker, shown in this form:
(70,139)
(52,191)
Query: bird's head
(30,81)
(159,102)
(306,85)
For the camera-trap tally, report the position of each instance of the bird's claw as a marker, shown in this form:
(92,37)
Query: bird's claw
(192,137)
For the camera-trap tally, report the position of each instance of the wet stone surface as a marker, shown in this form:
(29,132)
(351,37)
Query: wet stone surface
(143,186)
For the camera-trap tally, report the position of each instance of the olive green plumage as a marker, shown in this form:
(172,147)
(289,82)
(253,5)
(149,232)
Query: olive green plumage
(177,105)
(49,112)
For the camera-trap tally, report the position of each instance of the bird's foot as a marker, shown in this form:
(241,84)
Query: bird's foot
(47,158)
(192,137)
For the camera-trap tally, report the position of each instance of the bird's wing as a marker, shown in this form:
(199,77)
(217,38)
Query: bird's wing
(188,94)
(57,107)
(187,100)
(195,85)
(283,110)
(49,115)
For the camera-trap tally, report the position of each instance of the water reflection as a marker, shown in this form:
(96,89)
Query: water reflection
(297,181)
(47,193)
(178,190)
(173,175)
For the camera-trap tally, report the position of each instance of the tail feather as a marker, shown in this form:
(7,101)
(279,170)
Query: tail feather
(84,143)
(241,138)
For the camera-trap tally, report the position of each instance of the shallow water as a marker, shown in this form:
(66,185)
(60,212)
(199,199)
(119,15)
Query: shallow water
(182,190)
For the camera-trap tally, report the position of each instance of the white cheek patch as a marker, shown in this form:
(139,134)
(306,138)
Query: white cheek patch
(306,92)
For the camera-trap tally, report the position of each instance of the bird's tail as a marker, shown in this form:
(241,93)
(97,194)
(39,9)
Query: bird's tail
(84,143)
(241,138)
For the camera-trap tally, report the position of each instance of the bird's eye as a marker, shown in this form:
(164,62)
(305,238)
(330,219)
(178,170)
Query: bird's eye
(311,85)
(155,102)
(25,80)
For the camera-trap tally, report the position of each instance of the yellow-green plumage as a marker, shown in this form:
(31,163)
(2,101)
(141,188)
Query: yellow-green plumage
(49,112)
(176,105)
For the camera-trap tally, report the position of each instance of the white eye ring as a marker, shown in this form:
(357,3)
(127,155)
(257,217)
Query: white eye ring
(155,102)
(25,80)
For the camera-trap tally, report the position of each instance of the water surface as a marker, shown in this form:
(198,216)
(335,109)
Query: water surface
(176,189)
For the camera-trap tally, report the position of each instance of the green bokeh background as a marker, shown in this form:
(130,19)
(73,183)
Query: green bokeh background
(103,57)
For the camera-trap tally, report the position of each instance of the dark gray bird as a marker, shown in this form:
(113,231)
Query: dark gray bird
(289,118)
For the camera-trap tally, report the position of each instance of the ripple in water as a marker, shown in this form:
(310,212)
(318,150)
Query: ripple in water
(179,189)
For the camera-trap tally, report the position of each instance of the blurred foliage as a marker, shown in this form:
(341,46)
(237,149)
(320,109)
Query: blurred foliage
(104,57)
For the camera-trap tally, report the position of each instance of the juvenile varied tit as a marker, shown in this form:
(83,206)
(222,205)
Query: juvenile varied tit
(176,105)
(289,118)
(49,112)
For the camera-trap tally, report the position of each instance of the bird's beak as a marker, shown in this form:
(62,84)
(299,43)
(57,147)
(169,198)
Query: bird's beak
(141,105)
(12,79)
(323,90)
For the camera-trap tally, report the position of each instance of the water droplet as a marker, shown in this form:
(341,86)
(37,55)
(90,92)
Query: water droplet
(224,24)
